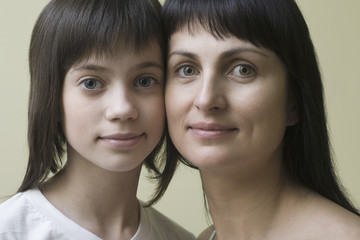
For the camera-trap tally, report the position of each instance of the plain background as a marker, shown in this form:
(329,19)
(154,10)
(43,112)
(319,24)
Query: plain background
(335,29)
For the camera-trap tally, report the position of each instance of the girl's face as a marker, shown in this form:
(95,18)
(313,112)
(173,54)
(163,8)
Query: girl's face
(226,100)
(113,111)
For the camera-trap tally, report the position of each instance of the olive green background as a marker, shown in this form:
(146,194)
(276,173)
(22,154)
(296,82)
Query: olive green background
(335,29)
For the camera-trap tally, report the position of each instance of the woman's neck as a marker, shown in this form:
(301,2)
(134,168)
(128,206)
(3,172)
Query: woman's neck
(246,206)
(102,202)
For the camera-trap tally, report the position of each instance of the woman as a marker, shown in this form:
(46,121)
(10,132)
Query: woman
(253,120)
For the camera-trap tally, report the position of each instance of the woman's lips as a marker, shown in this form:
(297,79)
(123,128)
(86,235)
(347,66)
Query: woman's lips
(210,130)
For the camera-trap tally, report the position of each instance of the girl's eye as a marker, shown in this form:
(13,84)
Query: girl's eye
(243,70)
(145,82)
(91,84)
(186,71)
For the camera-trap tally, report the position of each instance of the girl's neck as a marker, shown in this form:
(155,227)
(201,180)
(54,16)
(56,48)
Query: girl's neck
(102,202)
(244,206)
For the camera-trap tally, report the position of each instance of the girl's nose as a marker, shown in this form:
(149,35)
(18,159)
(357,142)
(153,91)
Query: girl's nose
(121,106)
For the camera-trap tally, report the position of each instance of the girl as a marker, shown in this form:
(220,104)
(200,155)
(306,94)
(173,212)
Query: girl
(97,95)
(253,120)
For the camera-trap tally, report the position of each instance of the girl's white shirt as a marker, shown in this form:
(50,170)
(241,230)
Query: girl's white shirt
(212,236)
(29,215)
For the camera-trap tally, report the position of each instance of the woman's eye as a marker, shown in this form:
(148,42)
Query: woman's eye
(145,82)
(186,71)
(91,84)
(243,70)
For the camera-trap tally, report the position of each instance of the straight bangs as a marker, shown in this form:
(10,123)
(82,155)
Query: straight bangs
(264,23)
(246,20)
(89,26)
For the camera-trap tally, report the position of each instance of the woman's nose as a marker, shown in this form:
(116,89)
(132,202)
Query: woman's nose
(211,95)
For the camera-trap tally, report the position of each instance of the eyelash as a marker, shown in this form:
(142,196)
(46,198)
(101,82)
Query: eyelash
(98,84)
(137,81)
(182,68)
(86,80)
(180,71)
(243,75)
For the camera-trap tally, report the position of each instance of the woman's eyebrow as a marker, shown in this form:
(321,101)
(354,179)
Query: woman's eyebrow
(225,54)
(235,51)
(183,53)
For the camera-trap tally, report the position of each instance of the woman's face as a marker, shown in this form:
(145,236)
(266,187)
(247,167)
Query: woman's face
(226,100)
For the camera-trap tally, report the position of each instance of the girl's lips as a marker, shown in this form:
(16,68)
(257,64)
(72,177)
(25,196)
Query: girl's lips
(121,140)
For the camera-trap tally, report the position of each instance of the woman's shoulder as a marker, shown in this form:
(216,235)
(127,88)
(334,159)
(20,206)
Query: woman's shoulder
(322,217)
(339,221)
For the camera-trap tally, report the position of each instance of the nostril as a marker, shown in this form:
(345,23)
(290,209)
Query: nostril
(121,112)
(210,102)
(215,108)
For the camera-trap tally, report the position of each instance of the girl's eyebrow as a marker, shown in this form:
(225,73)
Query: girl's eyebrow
(95,67)
(90,67)
(148,64)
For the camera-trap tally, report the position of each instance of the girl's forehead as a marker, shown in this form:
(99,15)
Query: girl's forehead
(122,46)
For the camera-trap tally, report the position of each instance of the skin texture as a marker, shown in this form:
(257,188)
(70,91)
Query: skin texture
(112,109)
(228,106)
(225,115)
(112,116)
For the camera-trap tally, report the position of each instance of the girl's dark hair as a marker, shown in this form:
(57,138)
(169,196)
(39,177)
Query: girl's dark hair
(277,25)
(67,31)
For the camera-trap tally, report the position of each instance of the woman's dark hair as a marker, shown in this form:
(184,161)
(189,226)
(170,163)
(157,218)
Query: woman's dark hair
(277,25)
(66,32)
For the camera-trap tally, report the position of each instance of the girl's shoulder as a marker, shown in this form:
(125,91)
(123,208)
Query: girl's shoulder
(29,215)
(13,208)
(207,234)
(161,226)
(14,217)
